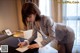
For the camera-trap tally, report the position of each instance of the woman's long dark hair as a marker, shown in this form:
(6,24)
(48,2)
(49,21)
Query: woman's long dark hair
(28,9)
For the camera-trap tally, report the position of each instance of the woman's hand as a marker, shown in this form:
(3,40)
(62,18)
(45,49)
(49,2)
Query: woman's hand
(21,44)
(33,46)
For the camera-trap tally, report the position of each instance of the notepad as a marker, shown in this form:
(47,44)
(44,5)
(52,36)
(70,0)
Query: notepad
(22,49)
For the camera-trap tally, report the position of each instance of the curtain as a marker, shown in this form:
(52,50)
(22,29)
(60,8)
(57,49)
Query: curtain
(57,10)
(45,7)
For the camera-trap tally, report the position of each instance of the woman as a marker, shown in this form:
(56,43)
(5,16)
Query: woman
(47,28)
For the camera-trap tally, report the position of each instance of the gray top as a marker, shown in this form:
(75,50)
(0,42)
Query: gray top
(50,30)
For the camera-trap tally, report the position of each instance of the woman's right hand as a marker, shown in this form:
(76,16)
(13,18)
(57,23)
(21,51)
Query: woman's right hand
(21,44)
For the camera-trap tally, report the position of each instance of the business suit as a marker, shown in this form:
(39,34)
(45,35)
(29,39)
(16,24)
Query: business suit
(65,36)
(50,31)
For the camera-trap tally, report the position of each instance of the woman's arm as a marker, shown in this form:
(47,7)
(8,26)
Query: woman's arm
(51,32)
(27,42)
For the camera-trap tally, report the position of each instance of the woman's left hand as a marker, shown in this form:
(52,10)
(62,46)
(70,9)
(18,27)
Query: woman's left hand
(33,46)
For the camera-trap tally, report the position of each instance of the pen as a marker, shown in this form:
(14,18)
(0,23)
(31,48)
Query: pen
(19,40)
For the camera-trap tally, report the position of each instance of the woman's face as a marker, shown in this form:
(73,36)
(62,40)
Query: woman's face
(31,18)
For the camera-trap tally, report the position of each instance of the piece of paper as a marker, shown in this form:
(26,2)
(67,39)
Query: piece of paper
(27,34)
(22,49)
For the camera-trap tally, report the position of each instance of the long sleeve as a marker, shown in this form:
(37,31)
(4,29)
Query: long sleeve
(51,32)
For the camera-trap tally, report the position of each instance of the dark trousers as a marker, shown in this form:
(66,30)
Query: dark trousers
(65,48)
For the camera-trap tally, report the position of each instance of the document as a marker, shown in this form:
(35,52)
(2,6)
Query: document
(22,49)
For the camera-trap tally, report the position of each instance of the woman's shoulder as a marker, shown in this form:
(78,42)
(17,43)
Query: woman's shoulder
(43,16)
(46,18)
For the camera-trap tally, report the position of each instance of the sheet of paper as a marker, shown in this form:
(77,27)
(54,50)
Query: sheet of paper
(23,49)
(27,34)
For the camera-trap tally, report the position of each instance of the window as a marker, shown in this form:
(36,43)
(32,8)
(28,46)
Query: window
(44,6)
(71,16)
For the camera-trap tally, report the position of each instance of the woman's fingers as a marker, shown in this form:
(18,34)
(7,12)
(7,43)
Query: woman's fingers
(29,46)
(21,44)
(33,46)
